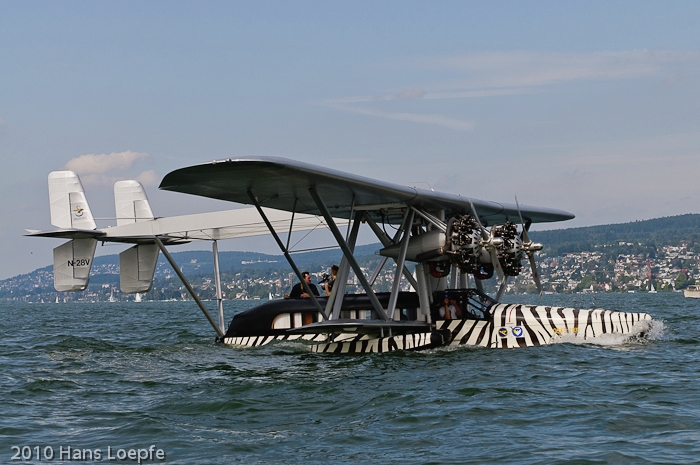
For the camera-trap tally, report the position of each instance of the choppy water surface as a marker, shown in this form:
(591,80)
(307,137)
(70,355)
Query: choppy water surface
(93,376)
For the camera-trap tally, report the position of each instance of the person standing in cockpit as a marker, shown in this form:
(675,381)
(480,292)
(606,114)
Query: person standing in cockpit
(298,290)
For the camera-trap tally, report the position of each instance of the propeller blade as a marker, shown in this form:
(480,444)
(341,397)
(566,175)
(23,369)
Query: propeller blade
(484,232)
(524,235)
(530,248)
(486,236)
(535,273)
(496,264)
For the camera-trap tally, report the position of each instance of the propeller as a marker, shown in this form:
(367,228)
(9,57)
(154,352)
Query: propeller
(529,248)
(490,243)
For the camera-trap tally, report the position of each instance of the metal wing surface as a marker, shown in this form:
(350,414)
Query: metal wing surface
(284,184)
(230,224)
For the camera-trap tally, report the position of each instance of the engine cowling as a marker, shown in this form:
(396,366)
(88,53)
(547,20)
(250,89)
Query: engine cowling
(469,246)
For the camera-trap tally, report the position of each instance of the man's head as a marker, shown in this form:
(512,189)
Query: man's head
(306,276)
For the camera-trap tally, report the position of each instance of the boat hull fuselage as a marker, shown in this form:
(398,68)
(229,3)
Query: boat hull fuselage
(483,323)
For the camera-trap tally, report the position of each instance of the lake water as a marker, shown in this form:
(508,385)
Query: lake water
(128,376)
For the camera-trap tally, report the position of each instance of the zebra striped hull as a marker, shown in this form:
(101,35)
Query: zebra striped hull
(364,344)
(257,341)
(511,326)
(514,325)
(342,344)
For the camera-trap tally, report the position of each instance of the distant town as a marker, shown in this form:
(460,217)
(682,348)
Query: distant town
(603,263)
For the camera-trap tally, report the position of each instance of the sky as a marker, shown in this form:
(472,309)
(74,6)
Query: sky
(589,107)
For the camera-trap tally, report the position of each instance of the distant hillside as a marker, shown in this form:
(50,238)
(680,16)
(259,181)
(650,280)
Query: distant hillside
(194,262)
(197,265)
(659,231)
(641,238)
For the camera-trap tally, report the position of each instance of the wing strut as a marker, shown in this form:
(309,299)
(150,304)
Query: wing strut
(336,302)
(502,288)
(188,286)
(432,219)
(291,224)
(217,280)
(378,270)
(384,239)
(406,227)
(284,250)
(347,252)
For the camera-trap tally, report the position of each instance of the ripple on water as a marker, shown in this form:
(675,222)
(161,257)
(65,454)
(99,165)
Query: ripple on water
(132,375)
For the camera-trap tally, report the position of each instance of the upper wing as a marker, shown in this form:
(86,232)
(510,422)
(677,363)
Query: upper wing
(283,184)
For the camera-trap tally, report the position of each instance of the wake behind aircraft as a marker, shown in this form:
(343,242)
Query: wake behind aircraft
(451,239)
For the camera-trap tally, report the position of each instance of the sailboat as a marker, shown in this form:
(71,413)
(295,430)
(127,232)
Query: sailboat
(652,290)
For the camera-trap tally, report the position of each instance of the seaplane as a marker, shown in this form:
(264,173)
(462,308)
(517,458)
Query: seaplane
(453,241)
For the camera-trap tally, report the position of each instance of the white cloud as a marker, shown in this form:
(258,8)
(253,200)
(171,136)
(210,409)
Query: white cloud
(491,74)
(98,169)
(91,164)
(437,120)
(148,178)
(420,94)
(526,68)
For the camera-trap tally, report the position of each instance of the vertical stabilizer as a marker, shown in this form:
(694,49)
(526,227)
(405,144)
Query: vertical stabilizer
(131,203)
(69,207)
(71,264)
(136,268)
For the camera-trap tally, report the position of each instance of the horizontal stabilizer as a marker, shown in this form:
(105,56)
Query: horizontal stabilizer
(136,268)
(131,203)
(230,224)
(69,207)
(71,264)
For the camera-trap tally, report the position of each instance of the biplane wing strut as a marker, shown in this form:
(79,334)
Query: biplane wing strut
(348,254)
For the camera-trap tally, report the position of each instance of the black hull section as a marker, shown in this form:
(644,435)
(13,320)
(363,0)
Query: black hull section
(282,317)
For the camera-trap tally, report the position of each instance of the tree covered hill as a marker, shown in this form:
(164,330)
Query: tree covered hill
(669,230)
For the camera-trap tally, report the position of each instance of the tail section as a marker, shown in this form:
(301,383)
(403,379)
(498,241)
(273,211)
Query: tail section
(131,203)
(137,265)
(69,207)
(71,264)
(136,268)
(69,210)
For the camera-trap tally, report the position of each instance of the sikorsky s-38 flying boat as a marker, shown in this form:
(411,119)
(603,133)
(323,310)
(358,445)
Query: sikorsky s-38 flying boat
(451,239)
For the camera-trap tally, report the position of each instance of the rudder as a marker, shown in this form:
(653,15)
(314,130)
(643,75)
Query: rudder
(72,262)
(131,203)
(69,207)
(136,268)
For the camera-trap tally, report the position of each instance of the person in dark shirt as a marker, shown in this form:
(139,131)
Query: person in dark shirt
(298,290)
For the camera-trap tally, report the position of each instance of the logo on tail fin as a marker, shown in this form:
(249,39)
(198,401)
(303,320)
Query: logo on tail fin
(78,211)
